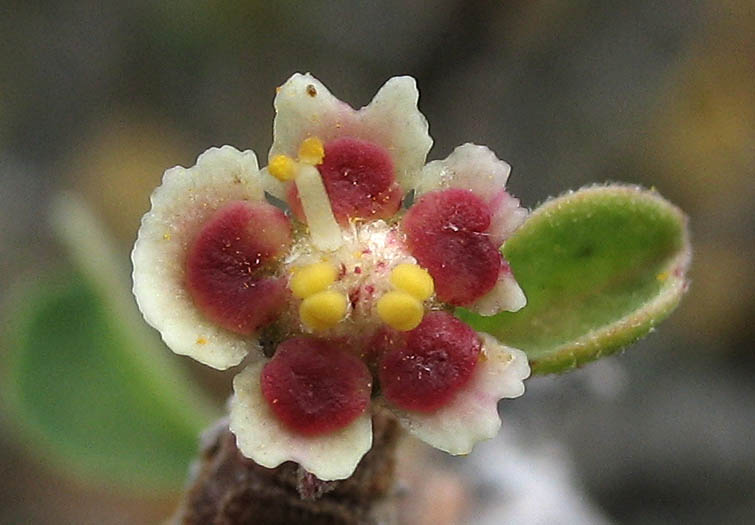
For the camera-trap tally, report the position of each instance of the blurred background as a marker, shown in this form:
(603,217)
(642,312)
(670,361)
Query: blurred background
(97,99)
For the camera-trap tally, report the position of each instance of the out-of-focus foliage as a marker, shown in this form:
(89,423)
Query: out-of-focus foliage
(90,387)
(87,403)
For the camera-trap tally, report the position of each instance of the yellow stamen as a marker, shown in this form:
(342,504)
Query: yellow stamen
(308,280)
(282,167)
(311,151)
(400,310)
(414,280)
(323,310)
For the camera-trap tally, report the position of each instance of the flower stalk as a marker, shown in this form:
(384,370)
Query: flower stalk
(229,489)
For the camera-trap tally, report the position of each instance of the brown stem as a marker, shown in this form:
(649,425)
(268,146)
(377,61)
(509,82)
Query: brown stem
(229,489)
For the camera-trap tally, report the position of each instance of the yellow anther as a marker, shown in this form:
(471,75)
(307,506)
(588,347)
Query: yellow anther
(400,310)
(311,151)
(323,310)
(282,167)
(308,280)
(414,280)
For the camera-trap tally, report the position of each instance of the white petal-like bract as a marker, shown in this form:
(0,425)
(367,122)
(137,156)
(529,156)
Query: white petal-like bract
(472,415)
(396,124)
(506,295)
(476,168)
(261,437)
(183,203)
(305,108)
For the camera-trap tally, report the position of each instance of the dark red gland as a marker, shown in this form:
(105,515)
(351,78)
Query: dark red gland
(426,370)
(446,232)
(359,177)
(228,268)
(315,386)
(379,344)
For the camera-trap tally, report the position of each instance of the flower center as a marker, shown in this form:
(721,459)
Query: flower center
(371,280)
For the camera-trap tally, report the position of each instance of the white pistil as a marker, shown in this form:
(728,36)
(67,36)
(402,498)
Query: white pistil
(323,228)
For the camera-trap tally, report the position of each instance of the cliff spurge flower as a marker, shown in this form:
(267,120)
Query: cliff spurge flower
(354,294)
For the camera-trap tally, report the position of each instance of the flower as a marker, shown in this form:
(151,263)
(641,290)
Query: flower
(352,294)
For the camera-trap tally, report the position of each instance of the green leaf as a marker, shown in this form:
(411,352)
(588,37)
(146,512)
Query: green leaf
(91,388)
(600,268)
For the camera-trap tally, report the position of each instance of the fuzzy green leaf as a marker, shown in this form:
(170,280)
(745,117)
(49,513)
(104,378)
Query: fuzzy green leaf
(600,268)
(91,389)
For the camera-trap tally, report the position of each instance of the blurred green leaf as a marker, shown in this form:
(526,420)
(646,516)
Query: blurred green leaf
(600,268)
(89,385)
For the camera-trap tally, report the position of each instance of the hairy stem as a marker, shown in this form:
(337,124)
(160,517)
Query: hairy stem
(228,489)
